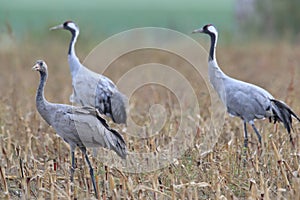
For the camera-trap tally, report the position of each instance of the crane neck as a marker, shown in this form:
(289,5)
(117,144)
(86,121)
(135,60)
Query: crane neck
(75,34)
(41,103)
(216,75)
(40,91)
(212,51)
(212,55)
(74,62)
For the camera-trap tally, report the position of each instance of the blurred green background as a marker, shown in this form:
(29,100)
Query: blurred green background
(102,18)
(98,19)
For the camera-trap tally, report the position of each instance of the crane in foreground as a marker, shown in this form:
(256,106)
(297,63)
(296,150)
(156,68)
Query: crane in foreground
(90,88)
(245,100)
(79,126)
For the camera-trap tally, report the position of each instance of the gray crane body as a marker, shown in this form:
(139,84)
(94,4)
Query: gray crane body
(241,99)
(85,87)
(79,126)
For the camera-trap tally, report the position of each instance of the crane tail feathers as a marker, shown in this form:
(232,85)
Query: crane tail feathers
(283,113)
(118,144)
(118,108)
(115,139)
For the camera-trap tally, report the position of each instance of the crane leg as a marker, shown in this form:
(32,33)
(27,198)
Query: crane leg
(256,131)
(245,144)
(73,165)
(91,172)
(245,136)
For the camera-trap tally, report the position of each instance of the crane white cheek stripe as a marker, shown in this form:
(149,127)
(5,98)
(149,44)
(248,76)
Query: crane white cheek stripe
(159,75)
(213,29)
(73,26)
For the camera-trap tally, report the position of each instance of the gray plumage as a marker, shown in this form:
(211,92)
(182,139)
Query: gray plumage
(245,100)
(79,126)
(90,88)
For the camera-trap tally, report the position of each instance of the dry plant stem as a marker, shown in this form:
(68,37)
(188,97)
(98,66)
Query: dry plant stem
(279,161)
(3,177)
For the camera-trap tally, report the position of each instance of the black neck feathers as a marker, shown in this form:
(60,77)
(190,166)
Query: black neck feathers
(212,47)
(73,32)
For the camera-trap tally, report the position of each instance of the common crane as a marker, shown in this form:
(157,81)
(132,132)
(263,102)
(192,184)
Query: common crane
(90,88)
(79,126)
(244,100)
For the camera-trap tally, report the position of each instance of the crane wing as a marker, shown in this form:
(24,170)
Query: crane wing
(247,100)
(94,131)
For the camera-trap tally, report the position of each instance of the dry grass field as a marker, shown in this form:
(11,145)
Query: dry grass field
(35,163)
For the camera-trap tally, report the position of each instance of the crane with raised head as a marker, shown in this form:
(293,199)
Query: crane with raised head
(242,99)
(78,126)
(90,88)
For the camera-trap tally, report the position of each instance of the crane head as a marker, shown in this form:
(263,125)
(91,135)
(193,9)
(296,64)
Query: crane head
(40,66)
(67,25)
(207,29)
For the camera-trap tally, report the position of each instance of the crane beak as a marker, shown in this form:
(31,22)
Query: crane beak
(198,31)
(61,26)
(36,67)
